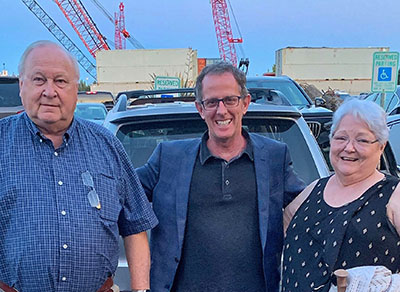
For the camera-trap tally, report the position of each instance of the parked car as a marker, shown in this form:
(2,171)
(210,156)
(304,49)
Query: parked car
(391,103)
(10,101)
(394,136)
(318,118)
(105,97)
(95,112)
(343,95)
(142,121)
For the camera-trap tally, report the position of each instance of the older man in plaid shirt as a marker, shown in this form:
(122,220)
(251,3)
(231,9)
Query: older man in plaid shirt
(67,189)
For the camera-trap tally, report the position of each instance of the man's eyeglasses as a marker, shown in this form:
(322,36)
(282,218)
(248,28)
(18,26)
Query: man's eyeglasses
(228,101)
(358,142)
(93,197)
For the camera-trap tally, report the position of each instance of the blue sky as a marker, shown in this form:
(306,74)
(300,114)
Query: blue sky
(266,26)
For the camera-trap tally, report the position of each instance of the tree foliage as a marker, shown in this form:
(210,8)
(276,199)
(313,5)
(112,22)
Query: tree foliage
(83,86)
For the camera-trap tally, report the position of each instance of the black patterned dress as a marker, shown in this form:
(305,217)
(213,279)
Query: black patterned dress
(321,238)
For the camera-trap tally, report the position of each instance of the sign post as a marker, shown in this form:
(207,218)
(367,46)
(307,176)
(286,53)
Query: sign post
(384,73)
(166,82)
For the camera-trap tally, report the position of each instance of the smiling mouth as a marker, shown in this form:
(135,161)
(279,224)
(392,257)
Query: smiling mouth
(349,159)
(224,122)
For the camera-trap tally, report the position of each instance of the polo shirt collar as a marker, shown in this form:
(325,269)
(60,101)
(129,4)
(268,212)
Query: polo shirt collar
(206,154)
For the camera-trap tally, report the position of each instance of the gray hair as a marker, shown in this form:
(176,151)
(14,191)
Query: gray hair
(367,111)
(219,69)
(45,43)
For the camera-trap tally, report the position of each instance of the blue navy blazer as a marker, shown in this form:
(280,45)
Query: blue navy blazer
(166,179)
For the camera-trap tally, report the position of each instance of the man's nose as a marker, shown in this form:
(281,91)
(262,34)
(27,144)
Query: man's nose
(221,108)
(49,89)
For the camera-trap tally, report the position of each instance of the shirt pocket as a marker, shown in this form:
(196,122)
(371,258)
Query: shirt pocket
(107,190)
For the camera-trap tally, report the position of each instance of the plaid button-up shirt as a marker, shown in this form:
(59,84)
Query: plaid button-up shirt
(51,238)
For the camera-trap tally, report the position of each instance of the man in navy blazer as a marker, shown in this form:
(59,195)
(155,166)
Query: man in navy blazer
(219,199)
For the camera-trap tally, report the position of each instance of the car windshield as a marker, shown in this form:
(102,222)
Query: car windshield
(90,111)
(9,94)
(140,139)
(288,88)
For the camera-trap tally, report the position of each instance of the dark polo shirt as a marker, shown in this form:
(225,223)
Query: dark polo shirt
(222,247)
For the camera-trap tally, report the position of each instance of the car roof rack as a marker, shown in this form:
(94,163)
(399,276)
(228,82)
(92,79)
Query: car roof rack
(141,97)
(151,93)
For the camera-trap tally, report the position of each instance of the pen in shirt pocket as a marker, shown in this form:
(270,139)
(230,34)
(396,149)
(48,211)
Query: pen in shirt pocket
(93,197)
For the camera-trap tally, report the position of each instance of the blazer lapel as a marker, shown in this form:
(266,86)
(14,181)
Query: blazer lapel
(262,169)
(183,180)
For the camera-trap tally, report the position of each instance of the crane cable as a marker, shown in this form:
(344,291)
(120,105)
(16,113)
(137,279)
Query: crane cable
(237,27)
(131,39)
(101,7)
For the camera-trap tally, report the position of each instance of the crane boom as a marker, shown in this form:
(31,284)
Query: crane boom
(223,30)
(83,25)
(57,32)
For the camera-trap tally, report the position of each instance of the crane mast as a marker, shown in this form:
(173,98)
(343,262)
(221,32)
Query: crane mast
(58,33)
(223,31)
(83,25)
(120,32)
(115,20)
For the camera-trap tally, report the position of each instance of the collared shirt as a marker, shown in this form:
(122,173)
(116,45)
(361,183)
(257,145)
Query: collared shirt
(206,154)
(222,247)
(51,238)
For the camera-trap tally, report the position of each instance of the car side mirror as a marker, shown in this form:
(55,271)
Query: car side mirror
(319,101)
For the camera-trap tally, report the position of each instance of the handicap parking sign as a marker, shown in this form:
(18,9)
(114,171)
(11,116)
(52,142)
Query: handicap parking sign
(385,74)
(384,71)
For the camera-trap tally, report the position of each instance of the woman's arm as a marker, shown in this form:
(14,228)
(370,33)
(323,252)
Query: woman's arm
(393,208)
(291,209)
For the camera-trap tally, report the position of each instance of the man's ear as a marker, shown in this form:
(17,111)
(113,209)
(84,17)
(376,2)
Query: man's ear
(200,109)
(246,103)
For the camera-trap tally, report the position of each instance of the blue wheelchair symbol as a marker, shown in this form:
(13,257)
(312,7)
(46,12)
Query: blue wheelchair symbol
(385,74)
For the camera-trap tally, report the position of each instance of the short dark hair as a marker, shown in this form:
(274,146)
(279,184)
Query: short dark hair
(219,69)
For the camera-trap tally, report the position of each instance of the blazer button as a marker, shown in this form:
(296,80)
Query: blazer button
(176,260)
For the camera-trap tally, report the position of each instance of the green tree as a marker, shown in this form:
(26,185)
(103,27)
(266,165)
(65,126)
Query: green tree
(83,86)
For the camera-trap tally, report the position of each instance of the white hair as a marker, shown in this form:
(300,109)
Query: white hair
(367,111)
(44,43)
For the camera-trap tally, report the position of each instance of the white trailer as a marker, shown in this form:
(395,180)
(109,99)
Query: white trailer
(345,69)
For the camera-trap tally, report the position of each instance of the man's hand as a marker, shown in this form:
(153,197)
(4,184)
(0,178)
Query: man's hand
(138,257)
(393,209)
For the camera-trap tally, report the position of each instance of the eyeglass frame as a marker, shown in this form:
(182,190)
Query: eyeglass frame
(92,195)
(221,100)
(361,142)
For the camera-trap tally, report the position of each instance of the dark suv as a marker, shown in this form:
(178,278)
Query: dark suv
(146,119)
(10,101)
(317,117)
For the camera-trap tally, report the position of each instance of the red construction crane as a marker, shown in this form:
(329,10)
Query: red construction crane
(115,21)
(121,33)
(83,25)
(223,30)
(58,33)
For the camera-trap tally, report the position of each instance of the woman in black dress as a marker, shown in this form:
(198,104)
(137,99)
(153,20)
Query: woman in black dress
(342,222)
